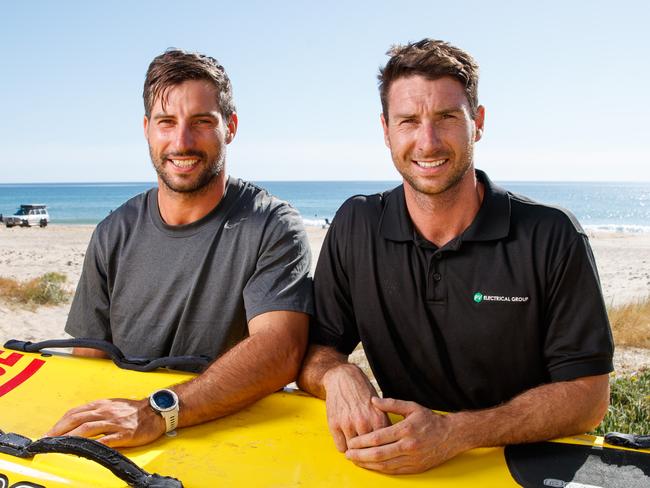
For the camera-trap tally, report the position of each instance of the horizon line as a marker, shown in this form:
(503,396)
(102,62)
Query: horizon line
(16,183)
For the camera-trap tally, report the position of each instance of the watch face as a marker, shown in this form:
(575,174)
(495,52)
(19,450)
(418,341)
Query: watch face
(163,399)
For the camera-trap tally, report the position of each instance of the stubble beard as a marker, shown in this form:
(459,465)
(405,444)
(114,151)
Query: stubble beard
(199,184)
(424,190)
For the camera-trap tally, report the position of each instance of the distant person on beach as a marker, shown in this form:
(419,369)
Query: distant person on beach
(206,264)
(467,298)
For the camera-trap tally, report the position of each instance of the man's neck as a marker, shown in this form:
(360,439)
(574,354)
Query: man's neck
(443,217)
(178,208)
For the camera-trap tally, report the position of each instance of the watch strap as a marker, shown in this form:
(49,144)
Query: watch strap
(171,420)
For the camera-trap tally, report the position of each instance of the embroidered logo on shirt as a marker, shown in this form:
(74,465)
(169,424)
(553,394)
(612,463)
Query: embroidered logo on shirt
(480,297)
(230,225)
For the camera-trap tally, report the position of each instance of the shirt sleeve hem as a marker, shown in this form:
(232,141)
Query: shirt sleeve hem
(318,338)
(578,370)
(280,307)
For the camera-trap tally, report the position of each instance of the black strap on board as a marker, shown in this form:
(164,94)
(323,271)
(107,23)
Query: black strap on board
(121,466)
(632,441)
(132,363)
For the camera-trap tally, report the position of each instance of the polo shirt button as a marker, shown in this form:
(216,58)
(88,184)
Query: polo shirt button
(437,277)
(438,256)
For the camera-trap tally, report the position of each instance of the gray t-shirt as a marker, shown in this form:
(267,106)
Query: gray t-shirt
(157,290)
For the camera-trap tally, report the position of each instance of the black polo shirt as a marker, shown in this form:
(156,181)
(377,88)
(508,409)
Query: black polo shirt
(511,303)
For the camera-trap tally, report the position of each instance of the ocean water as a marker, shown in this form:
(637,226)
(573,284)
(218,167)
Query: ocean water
(623,207)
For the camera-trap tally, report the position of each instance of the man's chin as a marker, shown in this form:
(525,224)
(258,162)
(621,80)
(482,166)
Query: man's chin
(186,186)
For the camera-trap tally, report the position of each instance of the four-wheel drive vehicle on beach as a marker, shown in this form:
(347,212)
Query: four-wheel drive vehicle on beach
(28,215)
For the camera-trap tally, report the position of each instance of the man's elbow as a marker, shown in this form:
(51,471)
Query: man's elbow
(597,407)
(599,411)
(295,356)
(89,353)
(291,362)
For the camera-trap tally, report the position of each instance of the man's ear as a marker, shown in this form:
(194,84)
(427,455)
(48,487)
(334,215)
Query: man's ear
(231,128)
(479,122)
(145,125)
(384,126)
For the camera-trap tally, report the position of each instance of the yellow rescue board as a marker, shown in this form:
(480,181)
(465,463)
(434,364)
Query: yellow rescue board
(280,441)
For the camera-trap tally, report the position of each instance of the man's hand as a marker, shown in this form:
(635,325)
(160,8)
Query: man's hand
(350,411)
(120,422)
(422,440)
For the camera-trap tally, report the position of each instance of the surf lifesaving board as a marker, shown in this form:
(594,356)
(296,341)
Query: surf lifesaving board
(281,441)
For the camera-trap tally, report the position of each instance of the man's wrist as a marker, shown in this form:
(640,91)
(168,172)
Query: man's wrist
(466,430)
(165,403)
(333,375)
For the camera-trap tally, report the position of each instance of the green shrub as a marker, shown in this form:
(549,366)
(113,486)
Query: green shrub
(629,409)
(44,290)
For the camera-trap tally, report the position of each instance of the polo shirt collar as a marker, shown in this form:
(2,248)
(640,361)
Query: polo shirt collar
(395,223)
(492,222)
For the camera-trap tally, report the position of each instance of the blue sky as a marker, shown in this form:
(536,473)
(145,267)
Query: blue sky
(565,85)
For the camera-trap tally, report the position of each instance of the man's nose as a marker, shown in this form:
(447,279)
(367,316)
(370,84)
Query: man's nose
(184,137)
(429,140)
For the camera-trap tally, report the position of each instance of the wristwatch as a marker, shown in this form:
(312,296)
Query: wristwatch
(165,403)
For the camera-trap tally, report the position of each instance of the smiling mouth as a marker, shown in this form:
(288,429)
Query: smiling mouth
(431,164)
(184,163)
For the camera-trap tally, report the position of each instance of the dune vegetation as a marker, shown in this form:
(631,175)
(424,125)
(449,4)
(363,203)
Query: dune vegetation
(629,409)
(631,323)
(45,290)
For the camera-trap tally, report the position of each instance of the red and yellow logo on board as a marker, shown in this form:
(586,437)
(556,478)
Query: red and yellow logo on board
(15,369)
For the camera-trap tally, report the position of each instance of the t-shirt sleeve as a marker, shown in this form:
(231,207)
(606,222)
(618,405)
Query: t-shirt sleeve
(282,279)
(89,313)
(578,338)
(334,323)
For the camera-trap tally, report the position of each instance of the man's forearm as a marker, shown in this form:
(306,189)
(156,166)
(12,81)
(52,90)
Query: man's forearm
(545,412)
(424,439)
(347,392)
(259,365)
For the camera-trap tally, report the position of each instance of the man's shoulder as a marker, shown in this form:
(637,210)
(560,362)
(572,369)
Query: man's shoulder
(257,198)
(259,207)
(546,217)
(365,207)
(125,216)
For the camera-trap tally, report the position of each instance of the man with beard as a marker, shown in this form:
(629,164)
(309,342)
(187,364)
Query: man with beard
(205,264)
(466,297)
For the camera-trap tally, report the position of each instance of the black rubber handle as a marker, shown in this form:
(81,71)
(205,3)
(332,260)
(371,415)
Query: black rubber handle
(117,463)
(132,363)
(633,441)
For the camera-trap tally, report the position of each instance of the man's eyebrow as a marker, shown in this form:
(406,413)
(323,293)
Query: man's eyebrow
(450,110)
(162,115)
(442,111)
(165,115)
(205,114)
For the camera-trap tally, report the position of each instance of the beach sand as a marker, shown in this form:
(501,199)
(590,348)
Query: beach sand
(623,262)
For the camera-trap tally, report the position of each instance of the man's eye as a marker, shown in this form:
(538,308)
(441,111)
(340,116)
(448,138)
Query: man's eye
(204,122)
(165,122)
(448,116)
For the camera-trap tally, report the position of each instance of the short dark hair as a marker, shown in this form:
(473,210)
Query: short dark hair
(431,59)
(175,66)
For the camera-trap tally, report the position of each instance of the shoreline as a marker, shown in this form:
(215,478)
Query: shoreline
(623,261)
